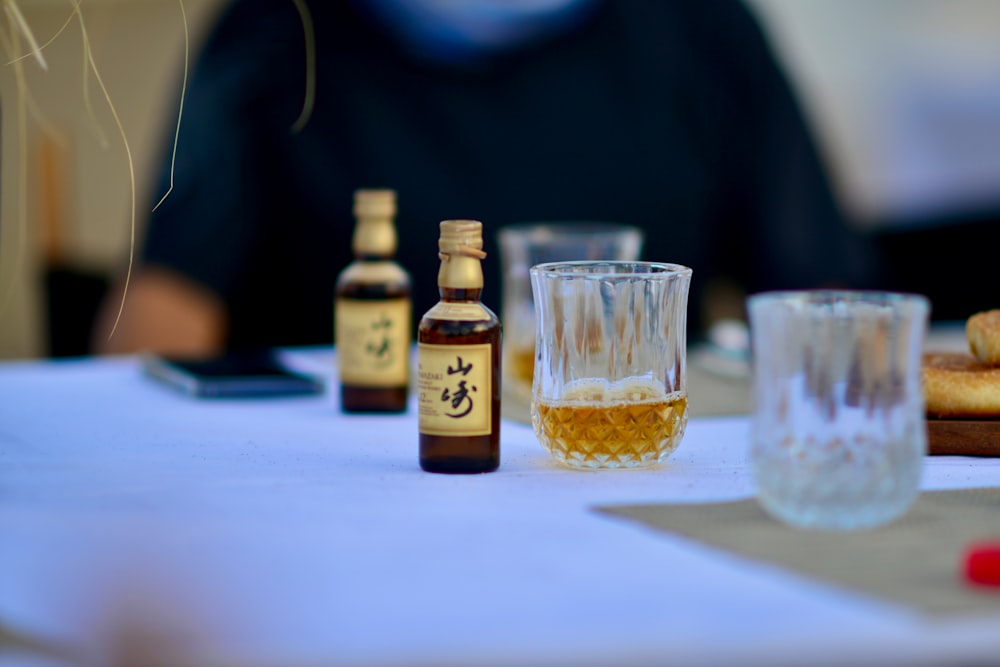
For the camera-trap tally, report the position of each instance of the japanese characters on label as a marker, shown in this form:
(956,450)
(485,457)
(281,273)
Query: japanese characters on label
(373,341)
(454,389)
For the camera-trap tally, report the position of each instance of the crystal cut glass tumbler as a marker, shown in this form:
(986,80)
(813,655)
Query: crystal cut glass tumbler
(838,435)
(609,387)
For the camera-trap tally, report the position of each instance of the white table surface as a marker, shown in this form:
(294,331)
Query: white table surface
(282,532)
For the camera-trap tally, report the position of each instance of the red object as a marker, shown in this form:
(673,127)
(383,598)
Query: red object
(982,563)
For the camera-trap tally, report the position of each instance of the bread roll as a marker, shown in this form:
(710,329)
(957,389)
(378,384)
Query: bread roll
(983,332)
(960,386)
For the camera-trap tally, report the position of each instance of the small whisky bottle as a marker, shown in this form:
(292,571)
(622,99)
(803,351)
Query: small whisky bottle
(373,312)
(458,361)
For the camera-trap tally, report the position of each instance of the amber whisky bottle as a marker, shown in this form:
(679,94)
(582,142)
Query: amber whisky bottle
(458,362)
(373,312)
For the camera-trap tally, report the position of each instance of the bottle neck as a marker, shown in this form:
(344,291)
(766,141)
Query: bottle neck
(460,274)
(374,239)
(460,294)
(372,257)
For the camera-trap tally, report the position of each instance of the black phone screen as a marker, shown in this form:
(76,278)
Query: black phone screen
(238,374)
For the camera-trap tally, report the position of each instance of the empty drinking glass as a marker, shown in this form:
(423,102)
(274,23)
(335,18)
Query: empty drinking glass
(838,431)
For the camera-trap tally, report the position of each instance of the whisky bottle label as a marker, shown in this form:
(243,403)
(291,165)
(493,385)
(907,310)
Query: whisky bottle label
(454,386)
(459,312)
(373,342)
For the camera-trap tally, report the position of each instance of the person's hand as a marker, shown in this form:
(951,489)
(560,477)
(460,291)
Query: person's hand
(165,313)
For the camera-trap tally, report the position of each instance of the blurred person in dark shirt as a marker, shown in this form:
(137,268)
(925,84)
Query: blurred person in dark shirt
(671,115)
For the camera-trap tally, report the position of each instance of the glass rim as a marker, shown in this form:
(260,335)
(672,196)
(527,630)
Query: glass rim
(557,228)
(661,269)
(831,296)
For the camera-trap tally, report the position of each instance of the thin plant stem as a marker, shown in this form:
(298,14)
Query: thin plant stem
(309,36)
(128,153)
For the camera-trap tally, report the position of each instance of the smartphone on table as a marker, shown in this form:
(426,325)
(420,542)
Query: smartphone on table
(244,374)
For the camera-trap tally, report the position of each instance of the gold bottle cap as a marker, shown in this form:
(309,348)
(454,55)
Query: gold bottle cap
(460,248)
(374,203)
(375,233)
(462,237)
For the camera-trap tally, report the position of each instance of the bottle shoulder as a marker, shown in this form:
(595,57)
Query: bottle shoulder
(459,322)
(461,311)
(379,272)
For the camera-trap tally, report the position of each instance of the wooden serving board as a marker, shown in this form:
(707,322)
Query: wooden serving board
(963,437)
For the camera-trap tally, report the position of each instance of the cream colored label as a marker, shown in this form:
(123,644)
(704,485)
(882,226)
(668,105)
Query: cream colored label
(460,312)
(454,387)
(373,342)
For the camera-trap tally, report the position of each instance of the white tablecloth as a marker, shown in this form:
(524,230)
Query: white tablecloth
(282,532)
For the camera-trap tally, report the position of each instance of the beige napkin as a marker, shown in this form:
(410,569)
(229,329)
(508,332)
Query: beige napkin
(916,560)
